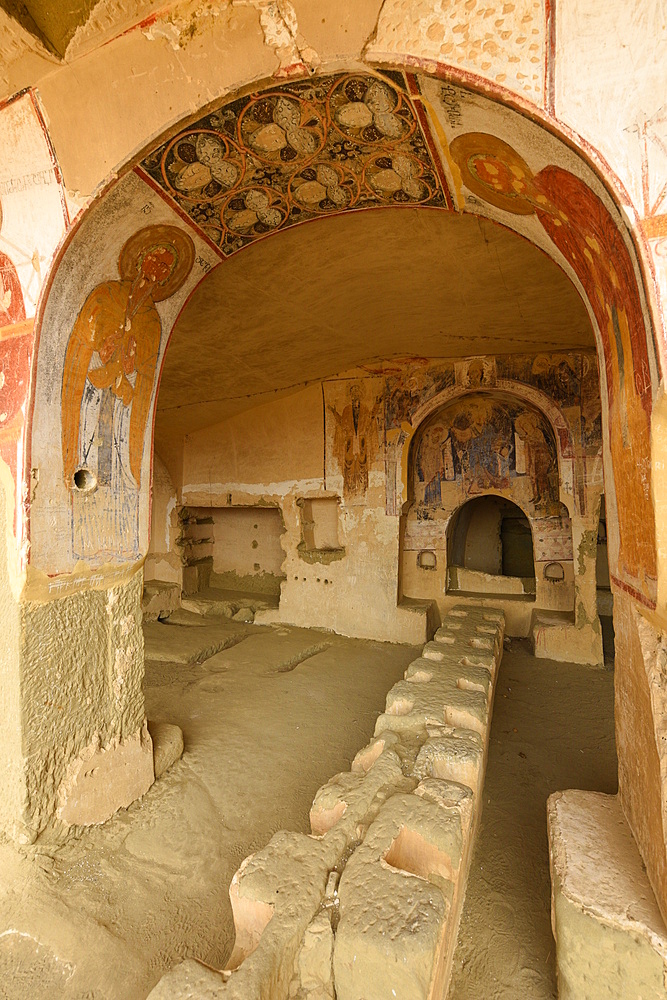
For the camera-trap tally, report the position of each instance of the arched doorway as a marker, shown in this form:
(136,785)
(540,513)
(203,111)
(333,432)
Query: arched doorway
(263,178)
(487,485)
(490,548)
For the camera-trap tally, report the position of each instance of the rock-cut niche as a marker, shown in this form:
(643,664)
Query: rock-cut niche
(483,478)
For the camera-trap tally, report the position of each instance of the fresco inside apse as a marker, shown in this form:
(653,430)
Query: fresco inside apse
(480,443)
(570,379)
(306,149)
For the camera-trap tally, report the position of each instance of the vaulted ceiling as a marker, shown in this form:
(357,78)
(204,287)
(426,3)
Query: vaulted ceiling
(315,300)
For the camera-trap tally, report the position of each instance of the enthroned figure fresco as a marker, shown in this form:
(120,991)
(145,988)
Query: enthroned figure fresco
(483,442)
(108,381)
(581,227)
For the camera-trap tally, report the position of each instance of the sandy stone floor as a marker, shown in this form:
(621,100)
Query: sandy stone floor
(266,721)
(552,729)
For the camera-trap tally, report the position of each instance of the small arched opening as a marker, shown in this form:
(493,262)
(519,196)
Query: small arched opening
(490,548)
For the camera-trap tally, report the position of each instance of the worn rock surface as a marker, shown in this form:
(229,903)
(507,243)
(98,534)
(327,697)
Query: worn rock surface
(610,936)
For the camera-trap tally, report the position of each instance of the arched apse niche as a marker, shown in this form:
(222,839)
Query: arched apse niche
(495,447)
(257,164)
(491,536)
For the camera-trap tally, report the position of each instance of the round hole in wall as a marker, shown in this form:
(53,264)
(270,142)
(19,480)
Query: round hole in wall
(427,559)
(85,481)
(554,571)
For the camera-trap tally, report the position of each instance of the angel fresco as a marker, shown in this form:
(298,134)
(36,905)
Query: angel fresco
(583,230)
(356,440)
(108,380)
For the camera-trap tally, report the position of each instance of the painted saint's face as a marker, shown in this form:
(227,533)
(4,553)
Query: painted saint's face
(158,264)
(502,177)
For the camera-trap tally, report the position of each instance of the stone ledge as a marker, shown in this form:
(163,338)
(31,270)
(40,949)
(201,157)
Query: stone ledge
(611,941)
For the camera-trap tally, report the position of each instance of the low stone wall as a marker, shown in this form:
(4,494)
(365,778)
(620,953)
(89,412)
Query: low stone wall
(369,903)
(611,940)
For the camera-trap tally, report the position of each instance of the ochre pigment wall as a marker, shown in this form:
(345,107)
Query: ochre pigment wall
(246,540)
(577,71)
(640,781)
(250,449)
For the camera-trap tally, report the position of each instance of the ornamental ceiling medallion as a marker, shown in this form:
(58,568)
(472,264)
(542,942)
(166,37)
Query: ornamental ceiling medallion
(300,151)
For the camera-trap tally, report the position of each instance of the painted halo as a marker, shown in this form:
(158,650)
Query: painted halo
(491,169)
(150,238)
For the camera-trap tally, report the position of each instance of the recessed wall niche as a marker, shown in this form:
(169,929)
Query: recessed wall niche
(241,544)
(490,547)
(319,529)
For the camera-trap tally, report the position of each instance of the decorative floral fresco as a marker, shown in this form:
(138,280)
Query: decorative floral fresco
(306,149)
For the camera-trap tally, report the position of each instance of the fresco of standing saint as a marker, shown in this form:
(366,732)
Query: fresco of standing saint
(108,380)
(356,441)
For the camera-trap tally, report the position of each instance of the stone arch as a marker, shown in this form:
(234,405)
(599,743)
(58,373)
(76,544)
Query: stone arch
(137,203)
(134,213)
(485,442)
(398,463)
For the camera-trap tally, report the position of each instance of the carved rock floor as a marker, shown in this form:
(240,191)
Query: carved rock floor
(267,719)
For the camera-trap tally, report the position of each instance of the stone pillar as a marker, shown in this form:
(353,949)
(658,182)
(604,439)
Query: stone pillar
(76,747)
(586,619)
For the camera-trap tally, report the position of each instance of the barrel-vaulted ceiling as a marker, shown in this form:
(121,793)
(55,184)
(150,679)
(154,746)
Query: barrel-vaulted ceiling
(318,299)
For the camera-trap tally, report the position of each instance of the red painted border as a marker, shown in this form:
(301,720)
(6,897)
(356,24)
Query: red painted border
(550,57)
(34,97)
(416,102)
(639,597)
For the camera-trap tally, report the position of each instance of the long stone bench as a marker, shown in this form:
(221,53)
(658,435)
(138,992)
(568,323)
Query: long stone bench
(368,905)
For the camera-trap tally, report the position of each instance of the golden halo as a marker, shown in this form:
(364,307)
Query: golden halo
(150,238)
(491,169)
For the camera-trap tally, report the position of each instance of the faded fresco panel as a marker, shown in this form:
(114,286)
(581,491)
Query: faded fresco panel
(115,295)
(503,42)
(354,437)
(485,442)
(32,214)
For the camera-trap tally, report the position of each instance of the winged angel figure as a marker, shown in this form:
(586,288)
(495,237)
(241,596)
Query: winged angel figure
(108,380)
